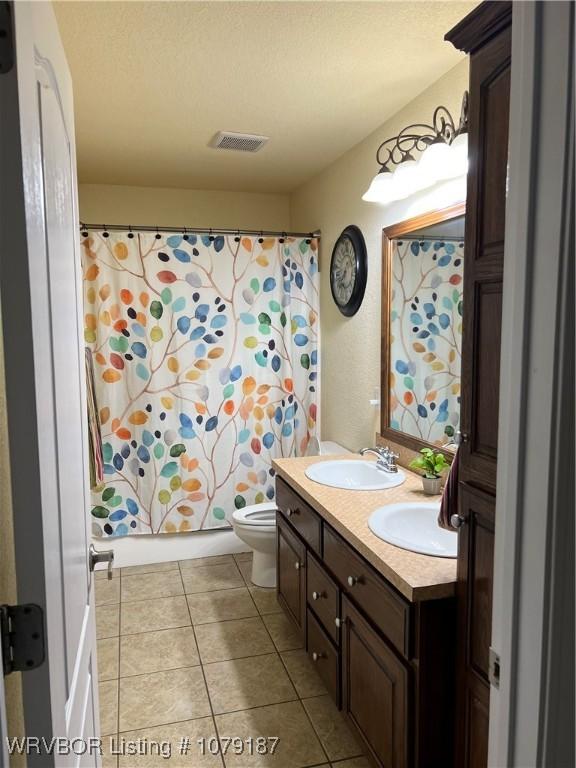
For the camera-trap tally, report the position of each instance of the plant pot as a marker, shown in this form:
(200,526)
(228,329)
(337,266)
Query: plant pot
(431,485)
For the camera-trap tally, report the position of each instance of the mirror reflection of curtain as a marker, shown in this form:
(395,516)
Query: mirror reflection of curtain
(206,360)
(426,337)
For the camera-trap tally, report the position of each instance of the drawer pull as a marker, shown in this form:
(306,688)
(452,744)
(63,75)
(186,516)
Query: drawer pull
(339,622)
(290,511)
(318,656)
(352,580)
(298,565)
(318,595)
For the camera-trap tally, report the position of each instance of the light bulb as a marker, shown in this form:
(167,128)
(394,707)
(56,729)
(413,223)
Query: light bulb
(458,164)
(435,159)
(409,178)
(379,188)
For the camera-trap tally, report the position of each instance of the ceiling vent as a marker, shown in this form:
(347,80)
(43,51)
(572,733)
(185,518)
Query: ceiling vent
(241,142)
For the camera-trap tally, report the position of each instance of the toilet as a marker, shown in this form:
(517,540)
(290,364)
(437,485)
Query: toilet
(256,526)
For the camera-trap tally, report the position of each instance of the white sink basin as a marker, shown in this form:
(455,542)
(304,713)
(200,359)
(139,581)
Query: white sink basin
(414,526)
(354,475)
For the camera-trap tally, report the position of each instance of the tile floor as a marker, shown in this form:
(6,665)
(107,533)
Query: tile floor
(191,650)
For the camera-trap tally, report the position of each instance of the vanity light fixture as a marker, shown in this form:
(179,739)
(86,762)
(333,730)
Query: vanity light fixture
(444,155)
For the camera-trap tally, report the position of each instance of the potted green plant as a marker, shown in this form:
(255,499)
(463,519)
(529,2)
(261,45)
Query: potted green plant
(432,465)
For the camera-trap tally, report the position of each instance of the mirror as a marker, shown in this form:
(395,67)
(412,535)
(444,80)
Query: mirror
(422,288)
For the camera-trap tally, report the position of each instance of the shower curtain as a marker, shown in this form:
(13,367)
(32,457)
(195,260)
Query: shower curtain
(205,359)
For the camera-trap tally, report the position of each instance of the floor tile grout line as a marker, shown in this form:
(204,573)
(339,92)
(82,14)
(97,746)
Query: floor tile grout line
(280,657)
(177,567)
(237,658)
(119,643)
(199,624)
(300,700)
(244,585)
(204,677)
(201,664)
(214,715)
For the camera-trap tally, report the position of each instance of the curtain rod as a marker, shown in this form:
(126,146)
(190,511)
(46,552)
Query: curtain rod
(195,230)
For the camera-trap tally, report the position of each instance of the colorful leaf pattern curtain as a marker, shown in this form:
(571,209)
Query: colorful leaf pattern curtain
(426,337)
(206,361)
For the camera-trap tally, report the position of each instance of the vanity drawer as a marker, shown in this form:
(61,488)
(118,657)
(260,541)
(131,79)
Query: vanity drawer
(323,597)
(368,590)
(301,516)
(324,656)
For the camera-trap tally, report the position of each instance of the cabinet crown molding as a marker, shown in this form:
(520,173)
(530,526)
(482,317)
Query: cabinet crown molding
(481,24)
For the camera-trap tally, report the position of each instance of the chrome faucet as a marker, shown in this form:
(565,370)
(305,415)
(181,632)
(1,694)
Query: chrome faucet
(386,459)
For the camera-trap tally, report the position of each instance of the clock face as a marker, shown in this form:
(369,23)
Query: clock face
(344,271)
(349,271)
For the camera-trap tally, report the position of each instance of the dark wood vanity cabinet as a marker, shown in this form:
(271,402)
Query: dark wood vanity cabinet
(375,690)
(486,35)
(387,662)
(291,577)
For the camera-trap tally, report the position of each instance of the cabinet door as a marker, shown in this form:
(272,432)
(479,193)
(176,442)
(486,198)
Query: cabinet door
(291,574)
(484,261)
(475,579)
(487,34)
(374,691)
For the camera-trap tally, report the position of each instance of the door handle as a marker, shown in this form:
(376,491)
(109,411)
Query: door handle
(105,556)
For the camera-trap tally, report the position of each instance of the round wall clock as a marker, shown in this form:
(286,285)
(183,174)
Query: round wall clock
(349,271)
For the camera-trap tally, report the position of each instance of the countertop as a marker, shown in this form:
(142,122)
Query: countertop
(417,577)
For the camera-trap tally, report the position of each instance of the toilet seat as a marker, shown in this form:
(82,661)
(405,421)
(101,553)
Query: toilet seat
(256,515)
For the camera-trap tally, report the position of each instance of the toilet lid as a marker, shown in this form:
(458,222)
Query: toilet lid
(257,514)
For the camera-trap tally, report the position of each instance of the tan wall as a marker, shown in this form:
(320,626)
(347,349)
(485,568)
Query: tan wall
(8,592)
(350,348)
(108,204)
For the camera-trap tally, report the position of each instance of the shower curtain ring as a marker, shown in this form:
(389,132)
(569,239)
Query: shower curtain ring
(130,233)
(309,239)
(185,234)
(283,238)
(211,236)
(105,233)
(237,238)
(157,235)
(261,239)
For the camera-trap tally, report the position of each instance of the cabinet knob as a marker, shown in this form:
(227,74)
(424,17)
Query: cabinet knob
(317,595)
(298,565)
(456,521)
(339,622)
(290,511)
(317,656)
(352,580)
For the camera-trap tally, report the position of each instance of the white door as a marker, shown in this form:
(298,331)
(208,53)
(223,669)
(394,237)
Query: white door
(41,302)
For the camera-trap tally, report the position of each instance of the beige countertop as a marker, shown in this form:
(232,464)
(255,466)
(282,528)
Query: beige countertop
(417,577)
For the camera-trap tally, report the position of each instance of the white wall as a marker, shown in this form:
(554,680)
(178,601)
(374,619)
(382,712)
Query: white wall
(350,349)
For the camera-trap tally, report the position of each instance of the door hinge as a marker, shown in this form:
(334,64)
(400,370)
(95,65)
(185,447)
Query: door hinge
(22,629)
(6,38)
(494,668)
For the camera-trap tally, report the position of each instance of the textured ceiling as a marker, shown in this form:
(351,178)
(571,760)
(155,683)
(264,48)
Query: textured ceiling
(153,82)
